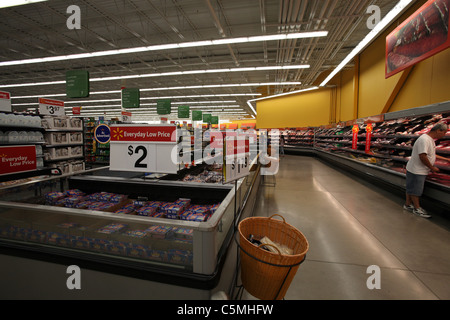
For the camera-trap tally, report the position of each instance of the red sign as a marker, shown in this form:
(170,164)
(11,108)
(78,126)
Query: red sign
(144,133)
(51,102)
(422,35)
(17,159)
(355,130)
(76,110)
(5,95)
(237,146)
(369,129)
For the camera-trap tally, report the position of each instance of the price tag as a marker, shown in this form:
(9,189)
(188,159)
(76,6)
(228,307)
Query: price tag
(50,107)
(143,148)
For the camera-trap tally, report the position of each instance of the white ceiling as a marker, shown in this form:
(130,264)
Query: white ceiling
(40,30)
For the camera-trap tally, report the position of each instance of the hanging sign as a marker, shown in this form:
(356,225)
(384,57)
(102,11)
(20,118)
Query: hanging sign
(50,107)
(102,133)
(369,130)
(130,98)
(355,130)
(163,106)
(77,84)
(5,101)
(419,37)
(14,159)
(148,148)
(236,158)
(207,117)
(197,115)
(183,112)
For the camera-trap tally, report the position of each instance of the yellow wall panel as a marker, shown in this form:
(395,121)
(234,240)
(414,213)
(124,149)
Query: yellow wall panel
(346,96)
(298,110)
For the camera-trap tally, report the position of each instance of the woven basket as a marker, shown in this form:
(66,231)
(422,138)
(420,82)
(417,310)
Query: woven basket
(267,275)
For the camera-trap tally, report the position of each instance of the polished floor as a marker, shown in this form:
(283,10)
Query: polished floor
(351,225)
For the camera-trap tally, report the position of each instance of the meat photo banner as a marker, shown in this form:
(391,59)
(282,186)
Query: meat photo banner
(419,37)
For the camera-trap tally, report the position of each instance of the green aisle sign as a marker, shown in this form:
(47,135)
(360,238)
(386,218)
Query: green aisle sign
(130,98)
(197,115)
(183,112)
(77,84)
(207,117)
(163,106)
(214,119)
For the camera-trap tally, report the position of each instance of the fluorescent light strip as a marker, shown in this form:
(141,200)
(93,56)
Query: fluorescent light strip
(257,84)
(204,43)
(399,7)
(163,74)
(154,98)
(14,3)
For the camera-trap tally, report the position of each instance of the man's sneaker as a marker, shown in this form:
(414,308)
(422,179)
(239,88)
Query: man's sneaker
(409,208)
(422,213)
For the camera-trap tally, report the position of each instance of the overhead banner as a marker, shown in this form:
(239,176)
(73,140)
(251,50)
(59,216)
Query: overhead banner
(419,37)
(143,148)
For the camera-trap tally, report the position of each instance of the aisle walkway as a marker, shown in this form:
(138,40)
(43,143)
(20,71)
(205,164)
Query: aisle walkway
(351,225)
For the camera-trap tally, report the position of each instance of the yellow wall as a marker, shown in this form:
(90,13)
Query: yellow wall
(310,108)
(428,83)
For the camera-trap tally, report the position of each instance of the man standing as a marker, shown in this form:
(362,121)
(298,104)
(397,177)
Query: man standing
(420,165)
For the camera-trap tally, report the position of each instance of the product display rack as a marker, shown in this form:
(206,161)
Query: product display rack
(63,147)
(391,144)
(17,129)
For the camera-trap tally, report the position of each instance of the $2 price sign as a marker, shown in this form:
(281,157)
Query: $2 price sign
(143,148)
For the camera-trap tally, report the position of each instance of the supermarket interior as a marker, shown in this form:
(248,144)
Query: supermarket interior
(225,150)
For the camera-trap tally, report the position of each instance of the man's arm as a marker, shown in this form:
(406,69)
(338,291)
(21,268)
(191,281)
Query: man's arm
(423,157)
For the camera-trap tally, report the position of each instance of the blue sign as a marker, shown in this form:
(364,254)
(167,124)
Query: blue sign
(102,133)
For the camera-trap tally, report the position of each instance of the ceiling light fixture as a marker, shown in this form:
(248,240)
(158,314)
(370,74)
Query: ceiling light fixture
(14,3)
(254,84)
(390,16)
(164,74)
(284,36)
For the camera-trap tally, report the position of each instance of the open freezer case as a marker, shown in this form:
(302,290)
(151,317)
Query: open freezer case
(120,232)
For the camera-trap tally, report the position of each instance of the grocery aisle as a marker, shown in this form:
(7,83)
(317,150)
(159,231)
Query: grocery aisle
(351,225)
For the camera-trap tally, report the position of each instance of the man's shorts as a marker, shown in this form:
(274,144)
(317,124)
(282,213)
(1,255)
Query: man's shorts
(415,183)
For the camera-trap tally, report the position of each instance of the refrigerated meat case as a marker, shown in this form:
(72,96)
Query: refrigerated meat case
(176,259)
(391,144)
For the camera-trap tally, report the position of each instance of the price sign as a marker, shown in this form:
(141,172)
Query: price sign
(5,101)
(236,158)
(150,148)
(50,107)
(15,159)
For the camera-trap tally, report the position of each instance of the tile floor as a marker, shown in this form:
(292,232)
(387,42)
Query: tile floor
(351,225)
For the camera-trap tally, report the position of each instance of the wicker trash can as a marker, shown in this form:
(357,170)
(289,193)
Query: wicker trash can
(267,275)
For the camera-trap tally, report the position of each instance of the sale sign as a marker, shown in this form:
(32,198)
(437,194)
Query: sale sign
(355,130)
(144,133)
(369,130)
(150,148)
(14,159)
